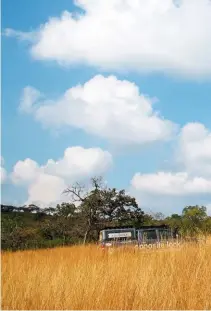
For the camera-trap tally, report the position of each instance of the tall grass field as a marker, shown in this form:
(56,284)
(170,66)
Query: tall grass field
(86,277)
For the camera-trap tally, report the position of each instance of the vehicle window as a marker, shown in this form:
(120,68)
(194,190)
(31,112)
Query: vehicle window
(164,234)
(150,235)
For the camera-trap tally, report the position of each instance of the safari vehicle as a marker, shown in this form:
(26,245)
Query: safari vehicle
(142,235)
(117,236)
(154,234)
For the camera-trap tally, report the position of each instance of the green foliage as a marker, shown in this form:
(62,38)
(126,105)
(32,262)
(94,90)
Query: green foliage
(102,205)
(174,221)
(192,222)
(31,227)
(193,218)
(65,210)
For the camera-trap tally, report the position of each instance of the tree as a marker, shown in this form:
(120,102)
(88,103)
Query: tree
(120,208)
(102,205)
(49,211)
(89,203)
(207,226)
(193,218)
(174,221)
(149,220)
(65,209)
(33,208)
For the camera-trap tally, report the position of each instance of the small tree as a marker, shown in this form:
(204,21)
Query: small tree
(174,221)
(88,203)
(193,218)
(65,210)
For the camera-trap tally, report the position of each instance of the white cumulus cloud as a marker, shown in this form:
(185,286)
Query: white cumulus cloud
(79,162)
(194,149)
(170,192)
(25,171)
(45,183)
(46,189)
(3,171)
(174,184)
(167,36)
(3,175)
(106,107)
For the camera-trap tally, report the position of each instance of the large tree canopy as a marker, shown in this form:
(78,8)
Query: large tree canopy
(102,205)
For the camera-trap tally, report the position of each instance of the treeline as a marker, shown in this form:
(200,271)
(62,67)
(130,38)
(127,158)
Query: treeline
(89,212)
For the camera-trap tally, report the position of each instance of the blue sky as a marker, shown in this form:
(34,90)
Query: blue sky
(183,94)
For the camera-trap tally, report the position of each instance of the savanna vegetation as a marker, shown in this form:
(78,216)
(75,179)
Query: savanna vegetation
(85,214)
(90,278)
(78,276)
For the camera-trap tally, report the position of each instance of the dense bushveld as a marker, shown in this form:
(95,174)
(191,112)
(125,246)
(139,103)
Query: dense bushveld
(89,210)
(87,277)
(31,227)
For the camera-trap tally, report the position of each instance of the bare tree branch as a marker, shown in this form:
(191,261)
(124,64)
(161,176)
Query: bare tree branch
(76,192)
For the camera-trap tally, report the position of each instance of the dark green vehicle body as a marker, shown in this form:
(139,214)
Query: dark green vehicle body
(137,236)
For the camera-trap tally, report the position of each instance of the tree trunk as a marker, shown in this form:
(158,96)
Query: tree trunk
(85,236)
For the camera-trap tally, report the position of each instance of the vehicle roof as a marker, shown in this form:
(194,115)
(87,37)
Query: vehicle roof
(119,228)
(138,228)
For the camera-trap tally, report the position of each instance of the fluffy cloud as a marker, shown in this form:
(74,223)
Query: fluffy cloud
(3,175)
(104,106)
(46,183)
(145,35)
(174,184)
(168,190)
(46,189)
(195,149)
(25,171)
(78,163)
(3,171)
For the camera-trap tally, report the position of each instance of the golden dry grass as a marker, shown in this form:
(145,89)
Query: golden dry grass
(88,278)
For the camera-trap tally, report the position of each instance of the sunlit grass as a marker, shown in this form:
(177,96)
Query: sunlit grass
(86,277)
